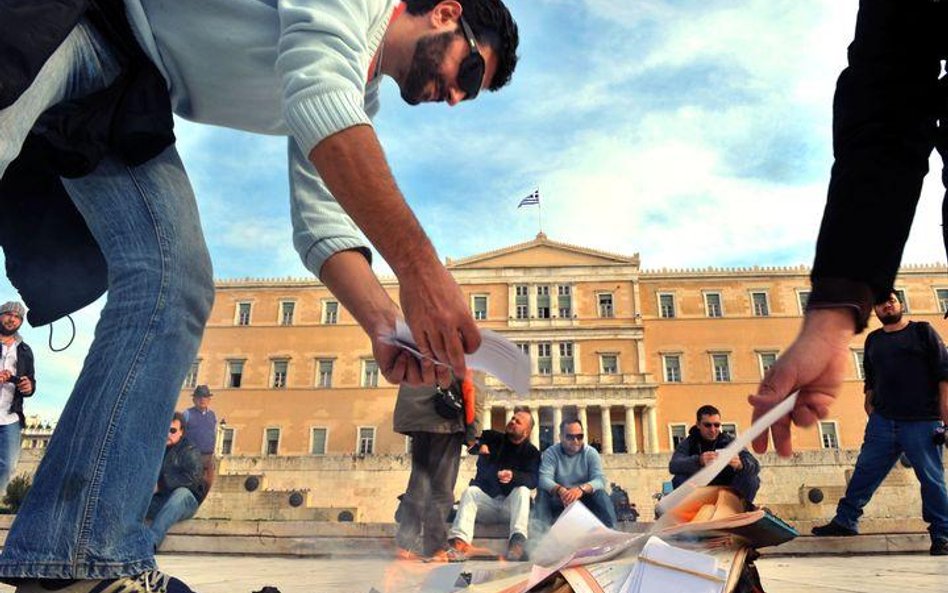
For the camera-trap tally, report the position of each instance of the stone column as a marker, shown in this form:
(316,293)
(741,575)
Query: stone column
(652,417)
(581,414)
(606,429)
(509,414)
(631,446)
(535,431)
(557,419)
(486,418)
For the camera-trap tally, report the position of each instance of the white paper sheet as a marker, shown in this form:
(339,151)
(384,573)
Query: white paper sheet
(674,569)
(497,356)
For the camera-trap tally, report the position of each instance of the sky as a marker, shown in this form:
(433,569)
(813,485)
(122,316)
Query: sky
(694,133)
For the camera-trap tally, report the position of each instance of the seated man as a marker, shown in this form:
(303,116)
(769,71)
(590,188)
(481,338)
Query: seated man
(700,449)
(180,488)
(572,471)
(507,466)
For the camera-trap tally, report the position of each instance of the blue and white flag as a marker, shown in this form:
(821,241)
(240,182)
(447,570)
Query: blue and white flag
(532,199)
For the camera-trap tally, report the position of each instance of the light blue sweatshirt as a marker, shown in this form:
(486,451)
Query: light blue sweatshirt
(281,67)
(556,467)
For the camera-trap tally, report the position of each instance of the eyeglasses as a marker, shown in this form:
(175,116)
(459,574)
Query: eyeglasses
(710,424)
(574,437)
(172,430)
(471,70)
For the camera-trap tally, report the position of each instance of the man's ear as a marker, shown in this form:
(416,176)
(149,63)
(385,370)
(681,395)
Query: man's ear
(446,14)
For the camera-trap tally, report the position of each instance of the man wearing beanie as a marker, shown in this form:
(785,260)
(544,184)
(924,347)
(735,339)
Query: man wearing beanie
(16,383)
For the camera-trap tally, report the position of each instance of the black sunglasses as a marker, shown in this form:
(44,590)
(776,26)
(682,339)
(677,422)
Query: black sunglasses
(172,431)
(471,70)
(710,424)
(574,437)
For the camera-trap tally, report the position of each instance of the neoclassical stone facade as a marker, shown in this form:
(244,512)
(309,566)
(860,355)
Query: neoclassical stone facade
(630,352)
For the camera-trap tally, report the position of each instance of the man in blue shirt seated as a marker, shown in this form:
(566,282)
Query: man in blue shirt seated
(507,465)
(571,471)
(701,447)
(180,488)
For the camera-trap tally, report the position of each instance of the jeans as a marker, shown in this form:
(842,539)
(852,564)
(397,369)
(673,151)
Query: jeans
(549,507)
(168,508)
(885,440)
(435,459)
(84,515)
(9,453)
(513,508)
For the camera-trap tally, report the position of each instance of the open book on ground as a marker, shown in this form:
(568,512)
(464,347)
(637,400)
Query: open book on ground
(714,510)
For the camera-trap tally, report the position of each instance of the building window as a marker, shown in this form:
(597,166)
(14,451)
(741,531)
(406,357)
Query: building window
(564,300)
(522,301)
(318,441)
(609,363)
(803,297)
(227,441)
(324,372)
(286,312)
(942,295)
(759,304)
(543,302)
(366,445)
(235,373)
(767,360)
(272,446)
(677,433)
(903,299)
(370,373)
(243,313)
(712,304)
(859,360)
(605,305)
(729,428)
(330,312)
(666,306)
(721,365)
(829,439)
(191,379)
(567,367)
(524,348)
(480,306)
(672,365)
(280,368)
(544,358)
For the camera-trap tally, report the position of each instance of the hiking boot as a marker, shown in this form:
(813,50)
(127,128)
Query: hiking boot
(939,547)
(460,545)
(447,555)
(148,582)
(516,548)
(833,529)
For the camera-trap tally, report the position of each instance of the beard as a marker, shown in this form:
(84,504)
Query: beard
(7,332)
(890,319)
(425,68)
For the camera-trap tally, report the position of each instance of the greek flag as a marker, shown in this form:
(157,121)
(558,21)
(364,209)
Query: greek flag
(532,199)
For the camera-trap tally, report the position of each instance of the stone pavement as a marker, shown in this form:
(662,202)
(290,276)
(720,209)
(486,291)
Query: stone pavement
(904,573)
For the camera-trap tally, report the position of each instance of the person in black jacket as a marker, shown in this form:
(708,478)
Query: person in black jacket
(507,469)
(906,385)
(701,447)
(889,112)
(16,382)
(180,489)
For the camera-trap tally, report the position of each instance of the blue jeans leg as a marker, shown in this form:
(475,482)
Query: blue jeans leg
(601,505)
(926,458)
(168,509)
(880,450)
(9,453)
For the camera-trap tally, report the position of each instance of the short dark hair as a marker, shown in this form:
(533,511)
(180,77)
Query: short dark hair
(492,25)
(526,410)
(567,421)
(180,418)
(706,410)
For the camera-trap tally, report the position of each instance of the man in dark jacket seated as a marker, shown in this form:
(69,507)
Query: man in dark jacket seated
(700,449)
(180,488)
(507,468)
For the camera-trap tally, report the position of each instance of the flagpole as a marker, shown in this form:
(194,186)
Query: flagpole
(539,212)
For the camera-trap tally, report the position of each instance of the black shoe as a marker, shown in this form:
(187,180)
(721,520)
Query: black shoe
(516,548)
(833,529)
(939,547)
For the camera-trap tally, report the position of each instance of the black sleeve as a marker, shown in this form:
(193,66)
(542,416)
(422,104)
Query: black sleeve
(937,355)
(24,367)
(529,471)
(869,372)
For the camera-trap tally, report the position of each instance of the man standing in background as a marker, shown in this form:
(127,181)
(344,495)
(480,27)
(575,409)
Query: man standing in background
(16,383)
(200,426)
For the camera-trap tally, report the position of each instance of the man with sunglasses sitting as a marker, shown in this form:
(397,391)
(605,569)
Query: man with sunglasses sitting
(181,487)
(571,471)
(701,447)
